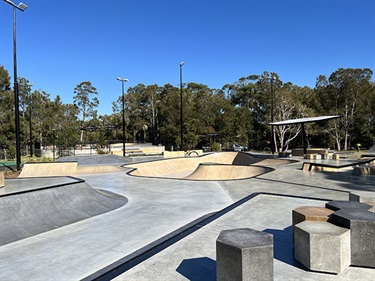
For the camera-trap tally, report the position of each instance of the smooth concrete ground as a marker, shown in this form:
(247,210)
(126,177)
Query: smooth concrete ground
(158,207)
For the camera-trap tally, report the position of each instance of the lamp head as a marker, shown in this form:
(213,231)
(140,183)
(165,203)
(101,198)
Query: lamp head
(122,79)
(182,63)
(22,6)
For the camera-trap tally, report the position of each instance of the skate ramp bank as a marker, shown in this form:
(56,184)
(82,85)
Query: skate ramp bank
(36,211)
(208,171)
(184,168)
(63,169)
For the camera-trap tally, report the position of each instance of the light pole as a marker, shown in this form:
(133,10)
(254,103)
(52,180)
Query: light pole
(123,80)
(22,7)
(273,147)
(30,124)
(53,144)
(181,120)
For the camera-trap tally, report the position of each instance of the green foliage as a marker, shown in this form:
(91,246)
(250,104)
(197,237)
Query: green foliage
(237,113)
(215,147)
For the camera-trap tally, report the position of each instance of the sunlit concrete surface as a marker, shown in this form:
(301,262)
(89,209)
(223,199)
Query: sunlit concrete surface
(157,207)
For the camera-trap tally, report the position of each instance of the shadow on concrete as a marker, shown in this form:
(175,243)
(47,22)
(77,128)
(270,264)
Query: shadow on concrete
(198,269)
(283,245)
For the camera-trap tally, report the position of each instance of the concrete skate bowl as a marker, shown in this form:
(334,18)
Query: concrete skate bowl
(36,211)
(214,166)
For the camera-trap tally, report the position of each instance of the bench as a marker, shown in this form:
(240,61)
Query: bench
(244,254)
(311,213)
(362,234)
(322,246)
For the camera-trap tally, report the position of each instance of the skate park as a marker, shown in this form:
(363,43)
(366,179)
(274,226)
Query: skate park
(108,217)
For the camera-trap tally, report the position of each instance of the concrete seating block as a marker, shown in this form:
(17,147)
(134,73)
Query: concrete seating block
(310,156)
(362,196)
(363,170)
(322,246)
(362,229)
(338,205)
(311,213)
(336,156)
(244,254)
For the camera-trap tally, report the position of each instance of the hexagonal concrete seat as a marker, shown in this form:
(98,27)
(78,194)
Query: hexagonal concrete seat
(322,246)
(244,254)
(310,213)
(362,229)
(337,205)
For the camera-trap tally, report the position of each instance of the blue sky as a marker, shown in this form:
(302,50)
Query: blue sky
(61,43)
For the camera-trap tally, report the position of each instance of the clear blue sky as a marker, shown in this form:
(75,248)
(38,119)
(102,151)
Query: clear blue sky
(61,43)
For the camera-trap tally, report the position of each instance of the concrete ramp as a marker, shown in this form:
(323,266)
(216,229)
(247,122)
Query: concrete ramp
(48,169)
(36,211)
(187,167)
(207,171)
(57,169)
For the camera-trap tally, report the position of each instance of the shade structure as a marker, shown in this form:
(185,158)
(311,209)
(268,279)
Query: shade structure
(302,121)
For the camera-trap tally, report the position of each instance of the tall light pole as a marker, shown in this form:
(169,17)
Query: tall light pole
(22,7)
(53,144)
(123,80)
(273,146)
(181,120)
(31,129)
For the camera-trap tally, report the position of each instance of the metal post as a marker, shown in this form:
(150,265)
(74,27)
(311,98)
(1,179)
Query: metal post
(123,80)
(22,7)
(31,129)
(123,120)
(53,144)
(181,116)
(273,146)
(16,94)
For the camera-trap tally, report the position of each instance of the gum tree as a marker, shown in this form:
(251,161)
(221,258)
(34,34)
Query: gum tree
(86,101)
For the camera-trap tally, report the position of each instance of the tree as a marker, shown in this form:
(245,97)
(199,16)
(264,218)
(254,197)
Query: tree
(344,95)
(7,128)
(85,102)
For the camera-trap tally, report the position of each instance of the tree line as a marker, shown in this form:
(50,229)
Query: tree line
(236,113)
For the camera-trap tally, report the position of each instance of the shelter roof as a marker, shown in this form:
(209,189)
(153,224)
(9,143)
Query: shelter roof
(304,120)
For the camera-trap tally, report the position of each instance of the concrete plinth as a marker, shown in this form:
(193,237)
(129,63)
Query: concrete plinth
(244,254)
(362,196)
(322,246)
(362,229)
(338,205)
(311,213)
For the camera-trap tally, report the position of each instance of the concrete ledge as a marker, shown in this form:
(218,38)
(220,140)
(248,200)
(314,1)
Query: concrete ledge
(171,154)
(338,205)
(244,254)
(362,196)
(364,170)
(362,229)
(322,246)
(299,151)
